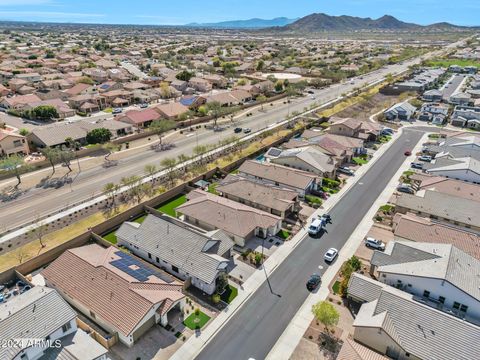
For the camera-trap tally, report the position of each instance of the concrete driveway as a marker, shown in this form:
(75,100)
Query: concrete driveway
(156,343)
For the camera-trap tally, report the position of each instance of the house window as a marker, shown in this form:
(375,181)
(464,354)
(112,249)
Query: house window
(456,305)
(24,357)
(66,327)
(426,294)
(149,255)
(157,259)
(463,308)
(441,300)
(174,268)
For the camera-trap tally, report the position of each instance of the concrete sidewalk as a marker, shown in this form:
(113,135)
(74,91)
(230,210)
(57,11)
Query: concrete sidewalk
(290,338)
(193,346)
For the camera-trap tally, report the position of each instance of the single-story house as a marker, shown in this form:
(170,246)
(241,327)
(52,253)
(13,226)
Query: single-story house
(194,255)
(308,159)
(272,174)
(105,284)
(425,333)
(41,313)
(239,221)
(171,110)
(268,198)
(140,118)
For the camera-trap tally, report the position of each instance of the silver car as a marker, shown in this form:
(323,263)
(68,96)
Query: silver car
(330,255)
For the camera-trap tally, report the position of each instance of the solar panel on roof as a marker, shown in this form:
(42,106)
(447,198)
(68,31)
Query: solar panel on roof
(142,273)
(274,152)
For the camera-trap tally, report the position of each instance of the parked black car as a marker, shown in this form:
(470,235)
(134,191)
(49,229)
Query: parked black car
(313,282)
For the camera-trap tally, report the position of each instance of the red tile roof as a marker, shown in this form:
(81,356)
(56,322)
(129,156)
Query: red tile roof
(86,275)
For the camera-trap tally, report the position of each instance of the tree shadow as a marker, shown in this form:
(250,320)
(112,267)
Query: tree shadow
(329,345)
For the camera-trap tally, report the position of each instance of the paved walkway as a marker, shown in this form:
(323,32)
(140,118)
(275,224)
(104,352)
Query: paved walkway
(195,344)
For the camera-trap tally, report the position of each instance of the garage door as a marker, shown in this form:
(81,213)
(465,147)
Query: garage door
(144,328)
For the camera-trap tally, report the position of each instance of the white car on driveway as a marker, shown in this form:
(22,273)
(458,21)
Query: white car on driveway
(330,255)
(374,243)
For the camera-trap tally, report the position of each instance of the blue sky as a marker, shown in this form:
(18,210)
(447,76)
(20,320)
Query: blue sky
(174,12)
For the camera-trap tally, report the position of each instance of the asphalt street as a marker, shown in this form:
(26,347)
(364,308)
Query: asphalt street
(255,328)
(40,202)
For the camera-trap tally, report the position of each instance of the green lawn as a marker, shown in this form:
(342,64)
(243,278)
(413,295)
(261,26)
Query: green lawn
(111,237)
(336,287)
(384,139)
(359,161)
(448,62)
(313,199)
(329,190)
(386,208)
(229,294)
(169,207)
(212,188)
(140,219)
(284,234)
(196,321)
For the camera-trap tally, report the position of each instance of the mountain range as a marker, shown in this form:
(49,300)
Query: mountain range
(245,24)
(320,22)
(323,22)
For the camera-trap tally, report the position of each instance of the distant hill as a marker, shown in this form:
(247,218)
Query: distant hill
(245,24)
(323,22)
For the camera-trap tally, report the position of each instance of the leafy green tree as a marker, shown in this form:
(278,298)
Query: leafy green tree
(150,170)
(184,75)
(14,165)
(24,132)
(278,86)
(110,190)
(216,109)
(169,165)
(229,69)
(260,65)
(42,112)
(66,158)
(86,80)
(202,110)
(182,158)
(52,155)
(149,53)
(159,127)
(326,314)
(261,99)
(99,136)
